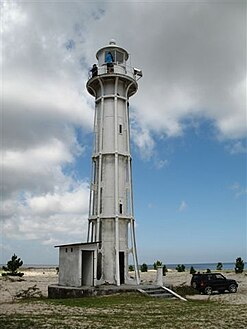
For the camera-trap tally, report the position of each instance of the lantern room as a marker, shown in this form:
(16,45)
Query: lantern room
(119,55)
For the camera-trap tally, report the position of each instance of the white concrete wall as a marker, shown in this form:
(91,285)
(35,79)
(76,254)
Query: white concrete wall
(69,266)
(108,185)
(123,234)
(108,251)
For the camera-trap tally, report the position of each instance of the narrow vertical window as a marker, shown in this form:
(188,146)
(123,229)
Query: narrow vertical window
(120,208)
(94,171)
(101,173)
(100,201)
(120,129)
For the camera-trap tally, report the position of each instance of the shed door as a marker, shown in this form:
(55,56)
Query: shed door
(121,267)
(87,268)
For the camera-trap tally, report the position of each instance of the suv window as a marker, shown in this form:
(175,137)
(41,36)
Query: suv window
(219,277)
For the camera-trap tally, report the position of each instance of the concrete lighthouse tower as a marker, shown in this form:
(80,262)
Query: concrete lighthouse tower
(104,258)
(111,216)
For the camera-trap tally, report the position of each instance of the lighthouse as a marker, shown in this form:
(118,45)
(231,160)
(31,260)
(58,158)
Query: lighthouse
(111,245)
(111,215)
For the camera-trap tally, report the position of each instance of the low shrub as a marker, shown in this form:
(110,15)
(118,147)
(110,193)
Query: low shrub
(185,290)
(12,267)
(239,265)
(180,268)
(144,267)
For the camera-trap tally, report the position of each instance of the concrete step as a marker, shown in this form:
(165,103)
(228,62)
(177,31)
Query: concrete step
(157,292)
(154,292)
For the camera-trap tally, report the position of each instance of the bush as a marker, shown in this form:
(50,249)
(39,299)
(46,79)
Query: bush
(239,265)
(185,290)
(131,268)
(144,267)
(192,270)
(157,263)
(219,266)
(180,268)
(208,270)
(164,270)
(12,267)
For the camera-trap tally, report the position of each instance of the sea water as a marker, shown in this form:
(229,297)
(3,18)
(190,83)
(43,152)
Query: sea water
(202,266)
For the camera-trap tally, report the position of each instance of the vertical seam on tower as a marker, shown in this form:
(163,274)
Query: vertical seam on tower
(116,181)
(100,158)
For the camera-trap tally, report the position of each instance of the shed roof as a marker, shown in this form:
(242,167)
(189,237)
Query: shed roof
(77,244)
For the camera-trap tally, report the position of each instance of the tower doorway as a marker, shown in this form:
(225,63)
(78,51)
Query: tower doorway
(87,268)
(121,267)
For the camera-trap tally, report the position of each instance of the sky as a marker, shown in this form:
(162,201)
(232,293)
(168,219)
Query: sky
(188,125)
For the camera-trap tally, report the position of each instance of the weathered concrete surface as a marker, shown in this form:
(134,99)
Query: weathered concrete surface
(56,291)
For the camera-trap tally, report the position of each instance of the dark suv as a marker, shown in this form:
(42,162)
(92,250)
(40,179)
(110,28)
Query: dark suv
(209,282)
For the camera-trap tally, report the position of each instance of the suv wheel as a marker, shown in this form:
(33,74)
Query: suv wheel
(208,290)
(232,288)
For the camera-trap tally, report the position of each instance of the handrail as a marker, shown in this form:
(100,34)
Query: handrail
(118,68)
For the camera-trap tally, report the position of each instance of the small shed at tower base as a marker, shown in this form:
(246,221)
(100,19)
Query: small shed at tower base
(78,264)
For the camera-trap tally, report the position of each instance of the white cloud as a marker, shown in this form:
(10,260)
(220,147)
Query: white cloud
(238,190)
(236,147)
(145,143)
(197,69)
(49,217)
(183,206)
(44,106)
(64,203)
(159,164)
(37,169)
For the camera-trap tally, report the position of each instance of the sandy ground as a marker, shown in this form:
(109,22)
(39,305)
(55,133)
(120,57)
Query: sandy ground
(175,279)
(41,278)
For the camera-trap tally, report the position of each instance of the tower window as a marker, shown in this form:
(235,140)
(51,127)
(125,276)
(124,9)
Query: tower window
(119,57)
(100,201)
(101,173)
(71,249)
(120,208)
(120,129)
(66,249)
(114,56)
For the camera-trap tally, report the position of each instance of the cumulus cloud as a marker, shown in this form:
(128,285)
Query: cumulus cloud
(44,105)
(49,217)
(193,60)
(143,140)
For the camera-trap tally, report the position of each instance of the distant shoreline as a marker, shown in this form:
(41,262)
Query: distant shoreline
(197,266)
(203,266)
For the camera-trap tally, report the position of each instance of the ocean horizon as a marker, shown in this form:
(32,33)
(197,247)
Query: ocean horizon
(203,266)
(197,266)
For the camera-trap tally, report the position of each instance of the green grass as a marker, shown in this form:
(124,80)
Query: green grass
(127,310)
